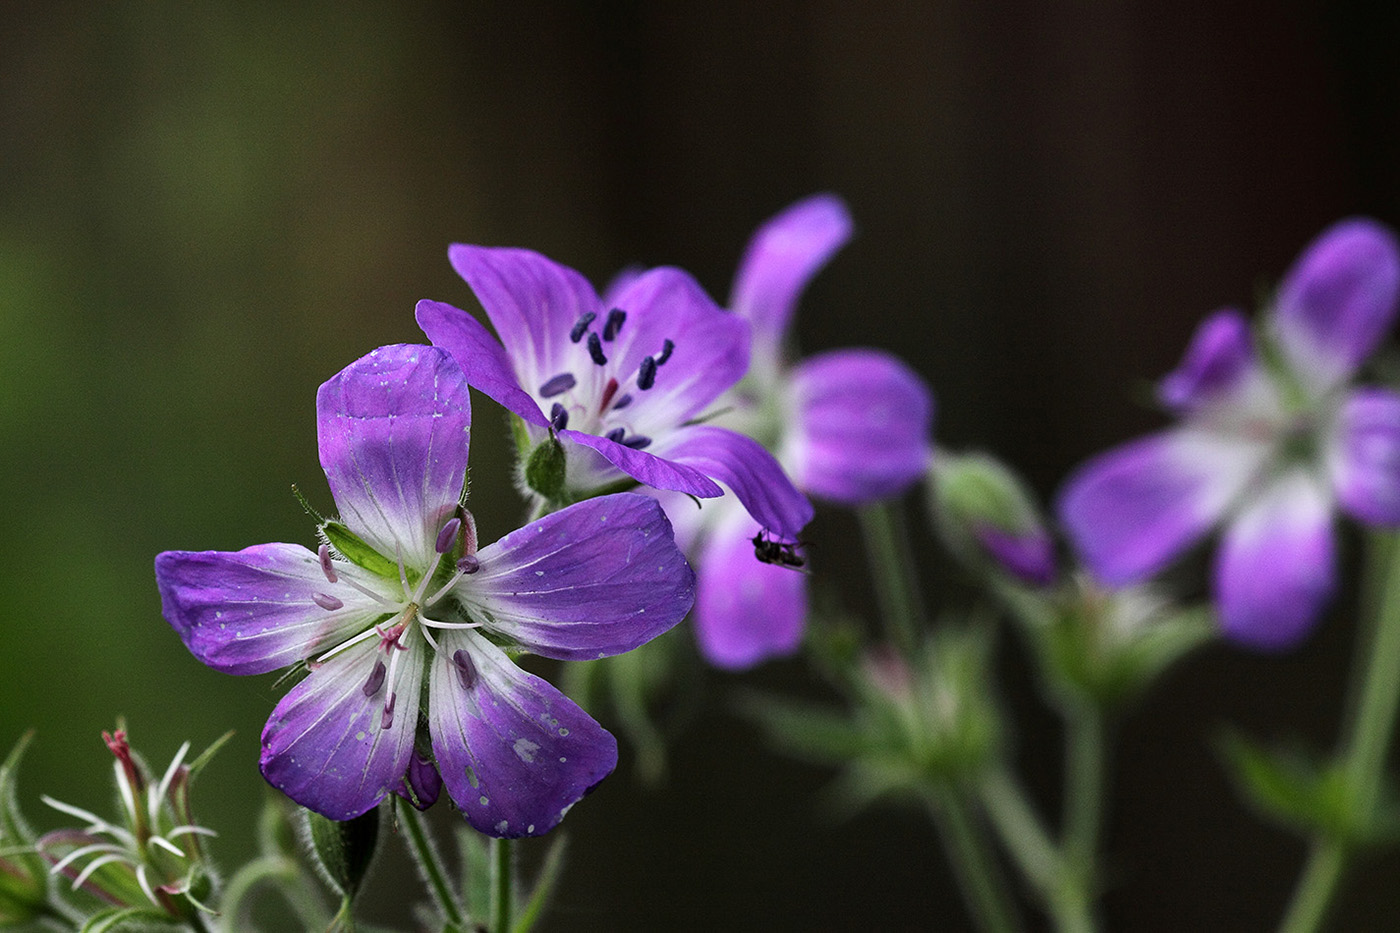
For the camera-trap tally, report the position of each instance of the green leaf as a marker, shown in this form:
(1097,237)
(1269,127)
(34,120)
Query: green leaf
(356,551)
(806,730)
(344,848)
(1292,787)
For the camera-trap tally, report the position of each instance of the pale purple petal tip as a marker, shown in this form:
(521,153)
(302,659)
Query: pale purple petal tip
(1364,456)
(1220,355)
(1028,556)
(746,611)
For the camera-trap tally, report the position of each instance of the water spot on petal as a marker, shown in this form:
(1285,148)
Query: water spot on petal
(563,731)
(502,826)
(484,801)
(525,750)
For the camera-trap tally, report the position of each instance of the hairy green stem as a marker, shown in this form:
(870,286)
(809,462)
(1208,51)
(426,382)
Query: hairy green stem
(892,568)
(984,888)
(425,854)
(502,889)
(1084,789)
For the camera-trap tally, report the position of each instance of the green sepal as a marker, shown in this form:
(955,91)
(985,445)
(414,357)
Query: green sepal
(545,468)
(807,731)
(130,920)
(344,849)
(349,545)
(26,885)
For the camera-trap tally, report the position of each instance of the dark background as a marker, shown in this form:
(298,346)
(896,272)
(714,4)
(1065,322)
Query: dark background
(206,209)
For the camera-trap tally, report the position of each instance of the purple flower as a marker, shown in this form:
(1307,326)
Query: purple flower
(850,426)
(408,630)
(623,384)
(1269,443)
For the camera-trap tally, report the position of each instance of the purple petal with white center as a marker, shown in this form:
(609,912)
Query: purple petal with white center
(254,611)
(533,303)
(1129,511)
(393,429)
(1027,555)
(1338,300)
(746,611)
(514,752)
(595,579)
(481,357)
(1220,357)
(750,471)
(646,467)
(1364,456)
(325,745)
(863,423)
(1276,568)
(781,258)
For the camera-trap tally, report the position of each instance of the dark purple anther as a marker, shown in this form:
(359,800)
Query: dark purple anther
(387,719)
(666,347)
(616,435)
(324,552)
(613,325)
(448,536)
(326,602)
(646,373)
(622,402)
(595,349)
(376,680)
(581,325)
(637,441)
(557,385)
(466,670)
(558,417)
(469,564)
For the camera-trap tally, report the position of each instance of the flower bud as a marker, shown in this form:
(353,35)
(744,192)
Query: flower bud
(987,516)
(344,848)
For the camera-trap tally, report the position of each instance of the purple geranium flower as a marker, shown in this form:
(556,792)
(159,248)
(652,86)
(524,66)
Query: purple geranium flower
(407,629)
(850,426)
(1269,443)
(623,384)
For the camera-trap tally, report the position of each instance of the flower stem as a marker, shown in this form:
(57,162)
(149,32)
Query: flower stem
(502,894)
(1084,790)
(984,888)
(424,853)
(891,566)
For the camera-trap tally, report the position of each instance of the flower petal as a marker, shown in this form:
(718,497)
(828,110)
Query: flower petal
(750,471)
(481,357)
(645,466)
(862,426)
(746,611)
(595,579)
(514,752)
(1338,300)
(1364,456)
(1276,567)
(1028,555)
(393,429)
(326,745)
(1220,357)
(1131,510)
(255,610)
(781,258)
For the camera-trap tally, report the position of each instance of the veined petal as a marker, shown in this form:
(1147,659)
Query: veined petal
(255,610)
(746,611)
(481,357)
(645,466)
(595,579)
(532,301)
(862,426)
(1275,568)
(327,746)
(1364,456)
(781,258)
(1218,362)
(1338,300)
(393,429)
(514,753)
(750,471)
(1131,510)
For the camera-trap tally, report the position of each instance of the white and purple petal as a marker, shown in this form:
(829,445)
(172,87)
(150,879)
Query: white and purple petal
(1129,511)
(1363,456)
(514,753)
(393,430)
(862,431)
(598,578)
(481,357)
(1275,569)
(1338,300)
(259,609)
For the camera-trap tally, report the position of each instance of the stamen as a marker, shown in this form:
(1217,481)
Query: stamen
(666,347)
(595,349)
(327,602)
(558,385)
(646,373)
(637,441)
(558,417)
(622,402)
(466,670)
(609,391)
(328,568)
(616,435)
(376,679)
(581,325)
(469,564)
(448,536)
(367,633)
(387,720)
(614,323)
(370,593)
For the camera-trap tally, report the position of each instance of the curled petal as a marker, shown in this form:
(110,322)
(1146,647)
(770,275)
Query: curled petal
(1028,554)
(393,429)
(1220,358)
(514,752)
(750,471)
(1131,510)
(595,579)
(255,610)
(645,466)
(1275,569)
(863,424)
(481,357)
(1364,456)
(1338,300)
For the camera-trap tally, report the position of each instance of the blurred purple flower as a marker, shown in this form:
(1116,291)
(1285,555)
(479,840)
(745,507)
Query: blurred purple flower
(1269,443)
(402,621)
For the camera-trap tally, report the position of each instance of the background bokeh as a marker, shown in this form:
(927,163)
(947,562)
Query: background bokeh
(206,209)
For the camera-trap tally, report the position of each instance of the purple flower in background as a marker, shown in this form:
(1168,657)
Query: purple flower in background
(850,426)
(406,627)
(622,384)
(1268,445)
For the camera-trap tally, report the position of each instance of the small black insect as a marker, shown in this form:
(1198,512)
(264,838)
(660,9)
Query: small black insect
(781,553)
